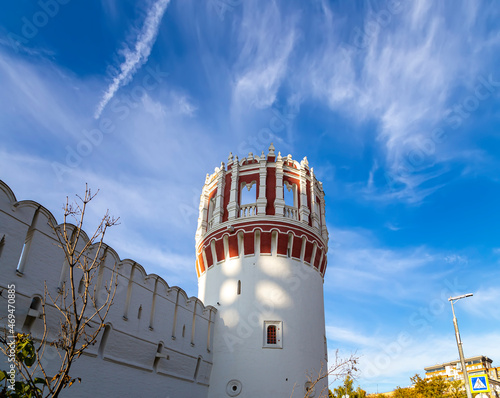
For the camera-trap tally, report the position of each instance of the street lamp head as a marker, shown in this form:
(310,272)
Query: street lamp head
(460,297)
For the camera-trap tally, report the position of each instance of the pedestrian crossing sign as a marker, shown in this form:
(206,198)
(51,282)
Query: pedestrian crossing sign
(479,383)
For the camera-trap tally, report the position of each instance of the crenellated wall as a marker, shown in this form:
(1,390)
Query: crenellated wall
(157,342)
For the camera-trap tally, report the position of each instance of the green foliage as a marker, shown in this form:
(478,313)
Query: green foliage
(348,390)
(26,356)
(456,389)
(404,393)
(434,387)
(25,349)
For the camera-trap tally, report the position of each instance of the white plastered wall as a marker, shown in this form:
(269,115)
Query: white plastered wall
(125,363)
(273,288)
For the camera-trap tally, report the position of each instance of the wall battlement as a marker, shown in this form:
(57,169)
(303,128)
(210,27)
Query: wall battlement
(152,327)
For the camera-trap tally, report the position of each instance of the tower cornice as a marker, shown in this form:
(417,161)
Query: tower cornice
(256,222)
(267,223)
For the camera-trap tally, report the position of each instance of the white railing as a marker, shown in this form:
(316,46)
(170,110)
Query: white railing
(291,212)
(248,210)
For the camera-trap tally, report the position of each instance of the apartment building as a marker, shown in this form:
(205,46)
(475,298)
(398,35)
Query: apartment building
(475,365)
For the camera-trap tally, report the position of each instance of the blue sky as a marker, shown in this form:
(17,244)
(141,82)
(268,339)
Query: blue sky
(395,104)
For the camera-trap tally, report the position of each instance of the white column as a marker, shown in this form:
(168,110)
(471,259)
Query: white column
(262,200)
(233,206)
(203,211)
(324,230)
(303,210)
(279,202)
(219,199)
(314,206)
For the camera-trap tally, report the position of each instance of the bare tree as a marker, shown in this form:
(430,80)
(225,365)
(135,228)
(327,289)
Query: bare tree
(78,304)
(341,368)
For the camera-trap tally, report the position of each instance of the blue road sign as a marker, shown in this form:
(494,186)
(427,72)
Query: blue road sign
(479,383)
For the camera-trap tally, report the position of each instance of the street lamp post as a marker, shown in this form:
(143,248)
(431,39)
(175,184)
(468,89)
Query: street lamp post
(459,343)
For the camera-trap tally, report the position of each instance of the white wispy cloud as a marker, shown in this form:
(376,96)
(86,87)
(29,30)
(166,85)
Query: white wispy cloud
(42,96)
(412,356)
(392,226)
(177,269)
(403,356)
(357,262)
(404,75)
(346,335)
(387,360)
(20,48)
(406,278)
(456,259)
(177,104)
(484,304)
(266,40)
(138,55)
(131,238)
(369,184)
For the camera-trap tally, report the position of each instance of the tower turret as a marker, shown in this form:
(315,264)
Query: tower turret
(261,247)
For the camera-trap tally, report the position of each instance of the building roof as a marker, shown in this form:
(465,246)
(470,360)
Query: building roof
(480,358)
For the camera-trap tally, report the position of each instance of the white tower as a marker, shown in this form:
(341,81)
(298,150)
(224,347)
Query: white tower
(261,256)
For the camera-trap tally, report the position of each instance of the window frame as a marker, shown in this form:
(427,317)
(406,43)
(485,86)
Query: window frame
(249,187)
(279,334)
(292,188)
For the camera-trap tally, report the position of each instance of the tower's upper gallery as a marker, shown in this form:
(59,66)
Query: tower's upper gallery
(266,187)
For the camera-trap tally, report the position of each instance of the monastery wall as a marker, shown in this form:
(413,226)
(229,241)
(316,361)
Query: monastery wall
(157,341)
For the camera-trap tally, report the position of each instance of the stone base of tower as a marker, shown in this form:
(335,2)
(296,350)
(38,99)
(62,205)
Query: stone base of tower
(251,293)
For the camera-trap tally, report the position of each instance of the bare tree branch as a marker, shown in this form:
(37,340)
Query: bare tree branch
(81,315)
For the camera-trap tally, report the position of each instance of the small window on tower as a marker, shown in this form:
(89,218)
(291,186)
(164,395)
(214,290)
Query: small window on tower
(248,193)
(273,334)
(289,191)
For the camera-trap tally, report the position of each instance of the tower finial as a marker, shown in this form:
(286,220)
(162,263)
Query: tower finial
(271,149)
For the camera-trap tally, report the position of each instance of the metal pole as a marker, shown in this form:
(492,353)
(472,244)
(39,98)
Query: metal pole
(460,352)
